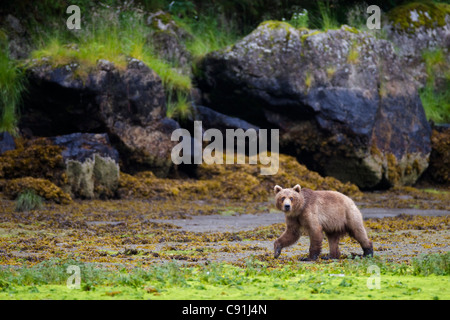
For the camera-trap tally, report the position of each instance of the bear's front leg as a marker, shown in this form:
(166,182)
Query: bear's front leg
(289,236)
(277,249)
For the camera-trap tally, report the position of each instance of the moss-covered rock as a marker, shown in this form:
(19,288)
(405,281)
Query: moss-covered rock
(97,177)
(129,104)
(417,28)
(411,16)
(106,176)
(42,187)
(80,178)
(334,95)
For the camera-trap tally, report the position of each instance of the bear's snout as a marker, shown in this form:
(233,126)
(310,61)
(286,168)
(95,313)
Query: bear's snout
(287,205)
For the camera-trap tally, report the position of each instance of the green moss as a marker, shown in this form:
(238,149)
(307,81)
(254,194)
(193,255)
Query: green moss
(309,78)
(305,36)
(274,24)
(393,170)
(351,29)
(353,55)
(164,17)
(414,15)
(330,72)
(226,281)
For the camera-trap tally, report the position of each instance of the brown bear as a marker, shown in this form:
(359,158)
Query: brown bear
(316,212)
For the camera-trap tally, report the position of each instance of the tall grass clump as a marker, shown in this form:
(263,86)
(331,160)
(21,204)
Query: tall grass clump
(179,107)
(327,15)
(209,32)
(28,200)
(11,88)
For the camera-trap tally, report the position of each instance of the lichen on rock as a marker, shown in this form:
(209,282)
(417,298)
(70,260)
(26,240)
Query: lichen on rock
(334,95)
(411,16)
(96,177)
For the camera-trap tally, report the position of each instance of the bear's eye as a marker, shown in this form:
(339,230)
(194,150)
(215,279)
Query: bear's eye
(282,199)
(291,198)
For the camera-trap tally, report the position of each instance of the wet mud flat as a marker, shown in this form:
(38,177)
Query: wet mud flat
(242,222)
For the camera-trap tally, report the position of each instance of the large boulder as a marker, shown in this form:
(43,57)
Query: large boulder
(168,40)
(6,142)
(420,28)
(216,120)
(92,164)
(19,39)
(342,102)
(128,104)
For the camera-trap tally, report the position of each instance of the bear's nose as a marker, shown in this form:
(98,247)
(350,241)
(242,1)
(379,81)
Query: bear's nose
(287,207)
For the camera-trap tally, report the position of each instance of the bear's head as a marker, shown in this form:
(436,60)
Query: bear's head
(288,200)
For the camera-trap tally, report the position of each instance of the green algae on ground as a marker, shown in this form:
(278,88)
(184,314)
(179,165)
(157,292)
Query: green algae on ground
(336,280)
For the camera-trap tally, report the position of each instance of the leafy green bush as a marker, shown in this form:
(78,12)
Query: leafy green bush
(327,15)
(299,19)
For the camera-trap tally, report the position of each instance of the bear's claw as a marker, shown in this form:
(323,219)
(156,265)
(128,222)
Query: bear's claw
(277,252)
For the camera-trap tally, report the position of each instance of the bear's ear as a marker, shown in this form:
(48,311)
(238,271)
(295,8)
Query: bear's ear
(277,189)
(297,188)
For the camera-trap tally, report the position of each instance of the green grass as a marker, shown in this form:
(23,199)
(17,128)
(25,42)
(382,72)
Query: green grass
(11,89)
(327,15)
(28,200)
(115,37)
(424,278)
(436,102)
(209,32)
(179,107)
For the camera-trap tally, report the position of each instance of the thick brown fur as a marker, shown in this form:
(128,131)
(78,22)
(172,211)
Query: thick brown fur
(317,212)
